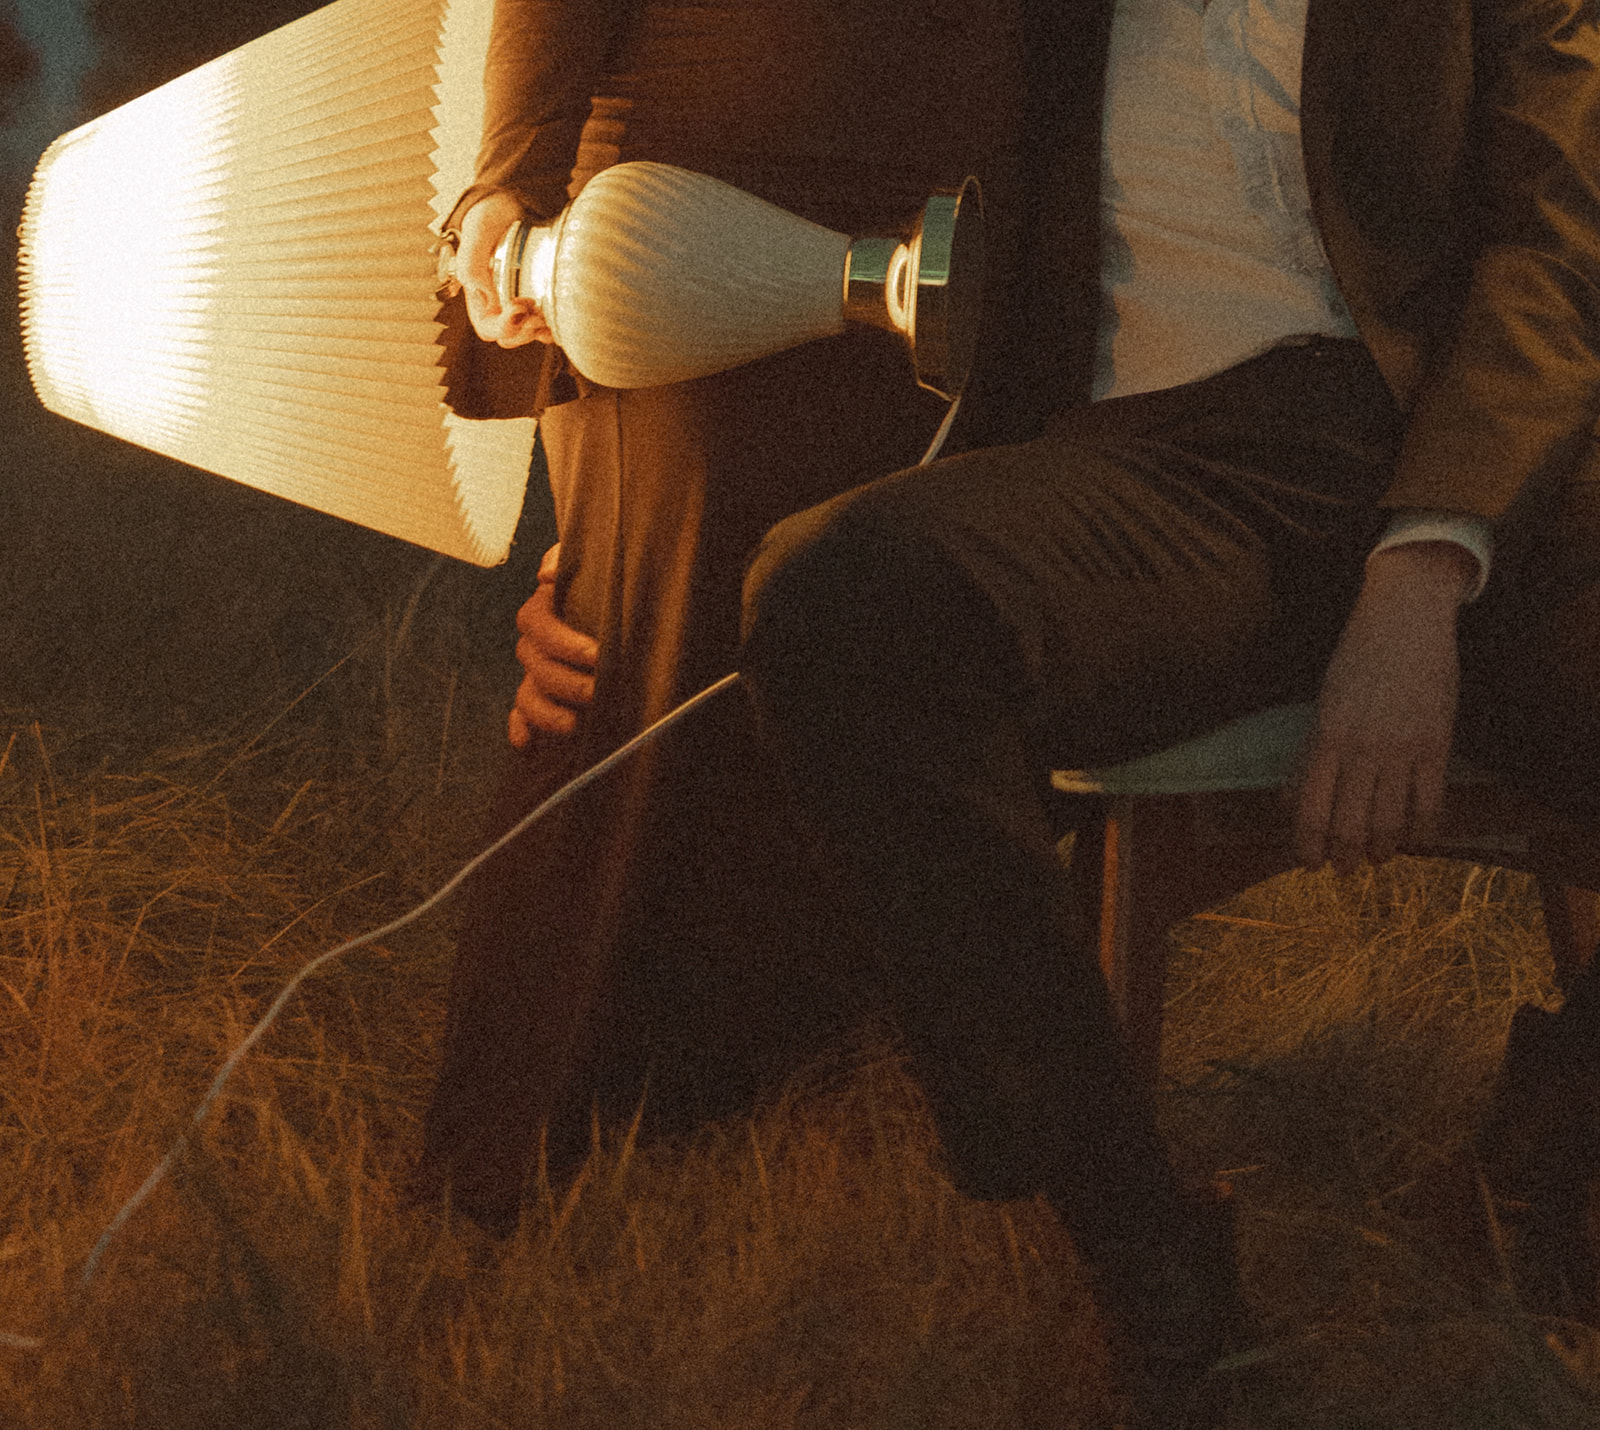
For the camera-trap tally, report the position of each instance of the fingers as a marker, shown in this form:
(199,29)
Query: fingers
(538,711)
(545,636)
(522,323)
(482,227)
(550,563)
(1386,819)
(475,273)
(1385,716)
(1368,817)
(558,661)
(1313,810)
(517,729)
(1427,798)
(1348,812)
(554,679)
(1365,810)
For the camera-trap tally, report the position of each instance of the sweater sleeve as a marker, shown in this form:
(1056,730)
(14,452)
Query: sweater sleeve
(1517,388)
(546,60)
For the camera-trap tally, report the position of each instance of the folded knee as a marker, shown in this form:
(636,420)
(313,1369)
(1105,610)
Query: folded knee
(823,582)
(793,566)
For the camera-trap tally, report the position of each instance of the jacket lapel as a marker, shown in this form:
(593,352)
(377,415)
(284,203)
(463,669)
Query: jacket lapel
(1067,43)
(1328,63)
(1385,100)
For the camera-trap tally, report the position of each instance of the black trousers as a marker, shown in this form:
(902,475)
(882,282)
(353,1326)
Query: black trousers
(923,650)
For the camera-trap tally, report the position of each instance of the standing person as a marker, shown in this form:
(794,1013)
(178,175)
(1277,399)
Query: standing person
(658,931)
(1341,330)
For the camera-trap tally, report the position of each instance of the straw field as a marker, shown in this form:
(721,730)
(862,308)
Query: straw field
(1330,1045)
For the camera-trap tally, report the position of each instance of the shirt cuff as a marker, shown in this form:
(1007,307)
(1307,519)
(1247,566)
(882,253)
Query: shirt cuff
(1473,534)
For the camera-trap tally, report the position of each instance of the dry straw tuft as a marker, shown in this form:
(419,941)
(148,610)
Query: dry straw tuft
(1330,1045)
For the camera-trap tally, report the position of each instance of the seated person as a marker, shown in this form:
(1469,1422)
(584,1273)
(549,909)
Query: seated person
(1341,327)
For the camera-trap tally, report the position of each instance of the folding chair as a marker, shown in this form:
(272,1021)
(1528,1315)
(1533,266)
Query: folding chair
(1166,836)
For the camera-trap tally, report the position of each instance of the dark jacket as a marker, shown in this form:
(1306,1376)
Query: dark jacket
(1452,150)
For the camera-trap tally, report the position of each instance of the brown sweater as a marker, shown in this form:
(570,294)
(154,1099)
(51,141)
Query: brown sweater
(667,919)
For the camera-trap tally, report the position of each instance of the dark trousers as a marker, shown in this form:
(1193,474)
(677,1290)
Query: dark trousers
(923,650)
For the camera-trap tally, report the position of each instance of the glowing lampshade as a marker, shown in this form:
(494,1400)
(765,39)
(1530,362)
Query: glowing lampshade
(655,274)
(237,270)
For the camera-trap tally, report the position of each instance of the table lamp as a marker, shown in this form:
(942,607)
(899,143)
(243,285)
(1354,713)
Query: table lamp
(656,274)
(241,270)
(237,270)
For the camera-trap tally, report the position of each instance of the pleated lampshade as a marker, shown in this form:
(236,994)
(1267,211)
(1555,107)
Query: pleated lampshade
(237,270)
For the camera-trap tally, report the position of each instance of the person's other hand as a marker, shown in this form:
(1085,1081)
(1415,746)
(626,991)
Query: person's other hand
(482,228)
(558,664)
(1372,773)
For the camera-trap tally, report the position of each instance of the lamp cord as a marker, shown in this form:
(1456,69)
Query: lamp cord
(578,782)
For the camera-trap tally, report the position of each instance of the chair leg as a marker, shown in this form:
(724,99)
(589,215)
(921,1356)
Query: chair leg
(1156,869)
(1133,934)
(1572,924)
(1105,909)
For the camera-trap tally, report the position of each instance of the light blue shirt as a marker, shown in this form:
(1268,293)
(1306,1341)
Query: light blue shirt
(1211,254)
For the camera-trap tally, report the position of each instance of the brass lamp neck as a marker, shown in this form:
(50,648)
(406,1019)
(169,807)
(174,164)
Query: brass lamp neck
(878,274)
(928,288)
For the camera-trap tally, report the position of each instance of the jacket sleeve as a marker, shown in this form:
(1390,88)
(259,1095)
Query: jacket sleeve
(1516,390)
(545,61)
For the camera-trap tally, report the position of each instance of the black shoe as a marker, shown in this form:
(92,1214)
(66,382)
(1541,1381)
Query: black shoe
(1173,1307)
(1539,1148)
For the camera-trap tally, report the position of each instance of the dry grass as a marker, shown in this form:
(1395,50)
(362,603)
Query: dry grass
(1330,1044)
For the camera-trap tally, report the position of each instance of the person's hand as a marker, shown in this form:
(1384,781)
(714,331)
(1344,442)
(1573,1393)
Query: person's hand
(558,661)
(482,228)
(1372,773)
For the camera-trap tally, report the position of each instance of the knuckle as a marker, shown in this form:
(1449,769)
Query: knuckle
(556,720)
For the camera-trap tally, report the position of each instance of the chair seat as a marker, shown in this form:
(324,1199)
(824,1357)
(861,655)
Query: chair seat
(1195,823)
(1254,752)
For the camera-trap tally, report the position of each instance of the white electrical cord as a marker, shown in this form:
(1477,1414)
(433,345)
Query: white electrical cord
(694,702)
